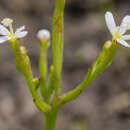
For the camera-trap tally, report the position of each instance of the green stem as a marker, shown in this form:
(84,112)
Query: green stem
(102,62)
(43,70)
(36,98)
(24,66)
(50,119)
(57,46)
(50,85)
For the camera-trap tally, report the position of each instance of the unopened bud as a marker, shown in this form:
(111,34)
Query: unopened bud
(52,68)
(24,62)
(43,35)
(23,50)
(36,82)
(107,45)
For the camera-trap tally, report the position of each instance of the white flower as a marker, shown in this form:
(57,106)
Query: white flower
(8,34)
(118,31)
(7,21)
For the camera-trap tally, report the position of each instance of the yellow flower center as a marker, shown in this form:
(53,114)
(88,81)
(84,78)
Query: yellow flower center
(117,35)
(11,35)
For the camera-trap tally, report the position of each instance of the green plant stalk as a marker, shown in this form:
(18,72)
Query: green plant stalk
(101,63)
(43,67)
(45,108)
(50,119)
(56,71)
(23,66)
(57,46)
(50,85)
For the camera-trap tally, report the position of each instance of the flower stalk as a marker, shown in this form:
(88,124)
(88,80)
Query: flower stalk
(50,88)
(50,119)
(44,38)
(101,63)
(57,44)
(23,65)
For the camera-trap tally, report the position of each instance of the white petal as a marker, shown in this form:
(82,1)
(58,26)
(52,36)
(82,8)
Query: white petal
(110,22)
(4,38)
(122,30)
(126,37)
(21,34)
(126,21)
(122,42)
(20,29)
(3,30)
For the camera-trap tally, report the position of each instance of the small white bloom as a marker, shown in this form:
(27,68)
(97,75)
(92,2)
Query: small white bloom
(8,34)
(43,34)
(7,21)
(118,31)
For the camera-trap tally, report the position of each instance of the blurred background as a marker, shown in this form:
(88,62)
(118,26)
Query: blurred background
(105,104)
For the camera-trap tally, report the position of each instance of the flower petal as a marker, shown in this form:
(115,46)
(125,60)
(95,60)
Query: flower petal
(122,30)
(122,42)
(126,22)
(20,29)
(4,30)
(126,37)
(21,34)
(110,22)
(4,38)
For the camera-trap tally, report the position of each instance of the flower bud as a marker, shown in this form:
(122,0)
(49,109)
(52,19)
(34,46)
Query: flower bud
(44,38)
(23,50)
(107,44)
(52,68)
(36,82)
(23,62)
(43,35)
